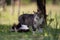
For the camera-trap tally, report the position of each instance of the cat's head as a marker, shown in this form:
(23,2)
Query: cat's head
(38,13)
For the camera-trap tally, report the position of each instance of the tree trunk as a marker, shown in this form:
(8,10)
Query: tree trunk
(41,4)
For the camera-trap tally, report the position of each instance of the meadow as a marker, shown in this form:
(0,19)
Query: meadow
(50,32)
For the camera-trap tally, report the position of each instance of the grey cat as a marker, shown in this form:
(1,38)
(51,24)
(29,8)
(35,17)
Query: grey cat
(32,20)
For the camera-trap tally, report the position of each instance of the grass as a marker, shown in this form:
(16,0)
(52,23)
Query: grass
(5,34)
(51,31)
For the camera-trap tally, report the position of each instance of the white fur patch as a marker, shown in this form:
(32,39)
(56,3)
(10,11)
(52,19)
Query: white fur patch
(24,27)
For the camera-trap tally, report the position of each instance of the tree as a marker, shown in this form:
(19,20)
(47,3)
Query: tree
(41,4)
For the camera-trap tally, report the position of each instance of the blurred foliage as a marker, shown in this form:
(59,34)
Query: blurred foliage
(8,2)
(25,1)
(29,1)
(53,1)
(48,1)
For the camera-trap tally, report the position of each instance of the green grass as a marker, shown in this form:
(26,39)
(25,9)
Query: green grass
(5,34)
